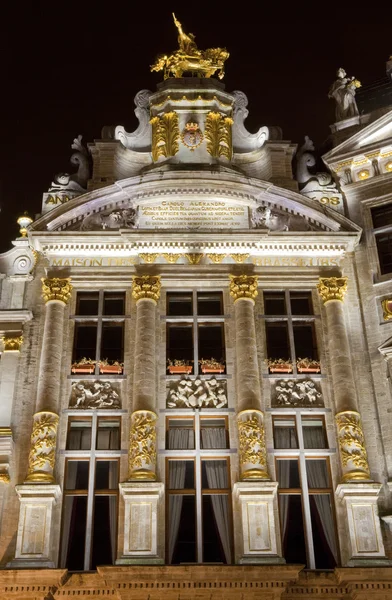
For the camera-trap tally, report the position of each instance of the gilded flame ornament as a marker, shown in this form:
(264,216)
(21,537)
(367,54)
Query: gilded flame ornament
(188,59)
(165,135)
(142,445)
(218,135)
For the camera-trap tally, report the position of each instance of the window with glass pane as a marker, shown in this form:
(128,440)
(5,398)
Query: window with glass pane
(90,493)
(195,332)
(305,491)
(382,223)
(99,328)
(290,328)
(198,487)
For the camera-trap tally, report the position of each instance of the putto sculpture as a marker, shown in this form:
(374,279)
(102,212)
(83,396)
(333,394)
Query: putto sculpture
(343,92)
(189,59)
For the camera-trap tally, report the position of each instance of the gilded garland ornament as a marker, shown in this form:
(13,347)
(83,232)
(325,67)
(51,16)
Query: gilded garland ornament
(171,258)
(56,289)
(194,258)
(252,448)
(149,257)
(352,446)
(192,136)
(218,135)
(165,135)
(332,288)
(43,448)
(142,445)
(216,258)
(12,344)
(146,286)
(243,286)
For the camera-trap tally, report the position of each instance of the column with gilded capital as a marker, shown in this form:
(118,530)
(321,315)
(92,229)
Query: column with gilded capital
(142,493)
(357,491)
(255,494)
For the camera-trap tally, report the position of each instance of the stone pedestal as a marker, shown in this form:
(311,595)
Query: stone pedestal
(34,544)
(256,518)
(143,523)
(365,544)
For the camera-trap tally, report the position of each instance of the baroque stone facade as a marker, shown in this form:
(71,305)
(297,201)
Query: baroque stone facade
(196,363)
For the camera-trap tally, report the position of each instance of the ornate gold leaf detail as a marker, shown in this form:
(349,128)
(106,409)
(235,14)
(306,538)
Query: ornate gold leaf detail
(4,477)
(243,286)
(171,258)
(352,445)
(165,135)
(387,309)
(239,258)
(142,445)
(216,258)
(332,288)
(56,289)
(12,344)
(252,448)
(146,286)
(218,133)
(194,258)
(149,257)
(43,447)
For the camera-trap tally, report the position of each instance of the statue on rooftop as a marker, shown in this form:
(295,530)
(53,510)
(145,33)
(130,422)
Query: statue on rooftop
(189,59)
(343,92)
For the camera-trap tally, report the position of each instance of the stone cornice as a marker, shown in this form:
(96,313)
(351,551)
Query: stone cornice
(15,316)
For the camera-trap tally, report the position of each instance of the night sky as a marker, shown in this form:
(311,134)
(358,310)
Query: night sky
(70,68)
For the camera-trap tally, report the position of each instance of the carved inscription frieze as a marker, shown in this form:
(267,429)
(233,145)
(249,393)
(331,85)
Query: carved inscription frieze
(94,394)
(197,393)
(297,392)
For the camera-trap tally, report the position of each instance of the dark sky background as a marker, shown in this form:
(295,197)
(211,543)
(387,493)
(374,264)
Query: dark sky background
(69,68)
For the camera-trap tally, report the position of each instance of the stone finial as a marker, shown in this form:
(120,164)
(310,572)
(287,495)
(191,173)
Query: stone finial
(56,289)
(12,344)
(243,286)
(146,287)
(332,288)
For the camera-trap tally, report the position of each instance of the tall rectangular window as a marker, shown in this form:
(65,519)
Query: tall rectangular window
(99,333)
(89,518)
(382,223)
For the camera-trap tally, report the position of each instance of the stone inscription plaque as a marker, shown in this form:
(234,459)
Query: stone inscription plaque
(193,215)
(258,527)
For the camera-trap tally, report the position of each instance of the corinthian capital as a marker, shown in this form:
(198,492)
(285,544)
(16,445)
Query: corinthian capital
(146,286)
(12,344)
(332,288)
(243,286)
(56,289)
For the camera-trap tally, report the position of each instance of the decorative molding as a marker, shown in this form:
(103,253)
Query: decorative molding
(218,133)
(216,258)
(146,286)
(149,257)
(12,344)
(94,394)
(332,288)
(252,448)
(243,286)
(171,258)
(165,135)
(142,446)
(239,258)
(43,448)
(297,392)
(387,309)
(194,258)
(56,289)
(197,393)
(352,447)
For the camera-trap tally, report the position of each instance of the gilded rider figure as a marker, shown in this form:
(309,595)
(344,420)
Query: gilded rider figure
(186,42)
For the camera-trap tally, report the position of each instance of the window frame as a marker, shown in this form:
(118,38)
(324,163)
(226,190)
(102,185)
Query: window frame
(375,233)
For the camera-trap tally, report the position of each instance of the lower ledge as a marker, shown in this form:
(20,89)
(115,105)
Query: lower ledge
(142,560)
(30,563)
(369,562)
(262,560)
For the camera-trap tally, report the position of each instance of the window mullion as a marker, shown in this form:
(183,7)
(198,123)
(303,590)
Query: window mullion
(305,494)
(90,497)
(199,524)
(291,332)
(99,332)
(195,335)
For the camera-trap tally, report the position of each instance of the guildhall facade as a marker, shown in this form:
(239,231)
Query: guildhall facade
(196,356)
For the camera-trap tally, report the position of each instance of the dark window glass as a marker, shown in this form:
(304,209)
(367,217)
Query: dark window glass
(209,303)
(179,304)
(85,341)
(301,303)
(325,548)
(108,435)
(285,433)
(213,551)
(213,434)
(274,303)
(87,303)
(384,248)
(179,342)
(382,215)
(184,550)
(114,303)
(314,434)
(79,435)
(211,341)
(104,531)
(112,342)
(292,527)
(288,473)
(106,475)
(277,340)
(77,475)
(304,340)
(181,475)
(74,515)
(214,475)
(317,473)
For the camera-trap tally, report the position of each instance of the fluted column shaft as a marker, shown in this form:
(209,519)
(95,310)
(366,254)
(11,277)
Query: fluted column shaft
(353,454)
(250,418)
(142,450)
(56,293)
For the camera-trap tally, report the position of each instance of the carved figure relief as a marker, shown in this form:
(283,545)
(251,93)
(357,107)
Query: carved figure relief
(125,218)
(297,392)
(264,218)
(94,394)
(197,393)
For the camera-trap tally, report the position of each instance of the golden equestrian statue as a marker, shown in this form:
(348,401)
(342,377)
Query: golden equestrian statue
(189,59)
